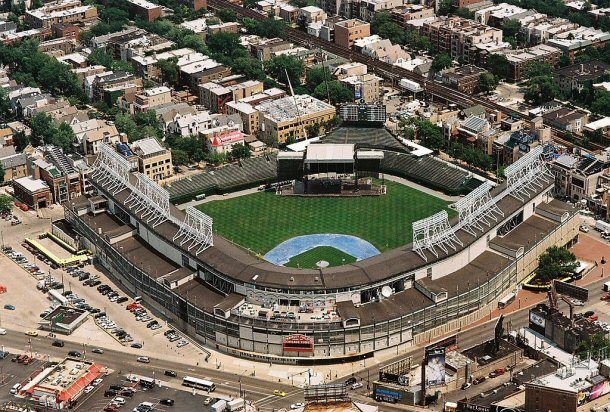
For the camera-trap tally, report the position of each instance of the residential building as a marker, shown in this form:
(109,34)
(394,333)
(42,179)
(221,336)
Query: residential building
(146,65)
(464,79)
(195,4)
(575,41)
(14,165)
(249,115)
(541,53)
(153,159)
(150,98)
(192,75)
(267,49)
(289,13)
(198,26)
(8,27)
(57,47)
(497,14)
(228,27)
(50,164)
(62,11)
(104,40)
(188,124)
(91,134)
(65,30)
(215,95)
(150,44)
(566,119)
(312,14)
(349,69)
(33,192)
(368,8)
(144,9)
(223,142)
(287,118)
(348,31)
(408,12)
(12,38)
(577,178)
(463,38)
(269,94)
(366,87)
(383,50)
(572,79)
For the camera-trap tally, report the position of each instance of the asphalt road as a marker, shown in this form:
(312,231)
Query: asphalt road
(259,390)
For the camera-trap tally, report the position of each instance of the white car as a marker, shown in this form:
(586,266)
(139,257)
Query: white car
(89,388)
(182,343)
(357,385)
(584,228)
(2,331)
(577,302)
(207,401)
(97,382)
(143,359)
(297,405)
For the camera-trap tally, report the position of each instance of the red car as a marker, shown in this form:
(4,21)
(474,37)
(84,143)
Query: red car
(605,296)
(479,380)
(497,372)
(592,318)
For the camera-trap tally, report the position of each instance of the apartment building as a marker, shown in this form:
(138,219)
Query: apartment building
(520,58)
(146,65)
(566,119)
(91,134)
(366,87)
(215,95)
(193,74)
(381,49)
(154,160)
(572,79)
(460,37)
(575,41)
(187,124)
(150,98)
(312,14)
(348,31)
(249,116)
(497,14)
(62,11)
(408,12)
(287,118)
(464,79)
(575,177)
(368,8)
(144,9)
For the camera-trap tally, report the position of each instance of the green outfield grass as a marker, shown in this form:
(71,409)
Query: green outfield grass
(308,259)
(263,220)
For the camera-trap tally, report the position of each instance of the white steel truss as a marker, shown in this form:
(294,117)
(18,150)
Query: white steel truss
(149,199)
(111,170)
(524,177)
(433,232)
(477,207)
(196,231)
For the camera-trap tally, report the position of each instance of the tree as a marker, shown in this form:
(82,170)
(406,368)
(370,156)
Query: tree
(418,42)
(445,8)
(64,137)
(440,62)
(126,124)
(313,130)
(601,104)
(487,82)
(280,65)
(122,66)
(537,69)
(464,13)
(6,203)
(215,158)
(226,15)
(169,70)
(240,151)
(100,56)
(429,134)
(224,44)
(337,91)
(5,103)
(21,140)
(511,28)
(541,89)
(179,157)
(393,32)
(593,346)
(250,67)
(42,128)
(555,262)
(498,64)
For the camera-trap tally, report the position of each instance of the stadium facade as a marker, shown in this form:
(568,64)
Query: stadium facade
(219,293)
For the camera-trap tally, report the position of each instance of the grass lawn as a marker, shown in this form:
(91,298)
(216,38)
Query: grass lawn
(308,259)
(263,220)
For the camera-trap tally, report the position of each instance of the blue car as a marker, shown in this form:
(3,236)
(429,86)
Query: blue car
(9,307)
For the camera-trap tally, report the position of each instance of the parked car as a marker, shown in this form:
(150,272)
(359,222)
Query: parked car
(466,385)
(98,351)
(173,374)
(357,385)
(167,402)
(143,359)
(9,307)
(479,380)
(58,343)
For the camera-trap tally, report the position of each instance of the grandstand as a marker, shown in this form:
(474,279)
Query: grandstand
(378,138)
(247,172)
(429,171)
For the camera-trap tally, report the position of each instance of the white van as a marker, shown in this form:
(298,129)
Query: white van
(137,299)
(15,388)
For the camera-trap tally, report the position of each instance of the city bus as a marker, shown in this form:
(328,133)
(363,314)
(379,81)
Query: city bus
(506,300)
(147,382)
(198,383)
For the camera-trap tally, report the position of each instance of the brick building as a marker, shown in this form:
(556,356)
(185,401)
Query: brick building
(348,31)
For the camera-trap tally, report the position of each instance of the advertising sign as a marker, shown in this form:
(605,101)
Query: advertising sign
(435,366)
(537,320)
(571,290)
(298,343)
(594,392)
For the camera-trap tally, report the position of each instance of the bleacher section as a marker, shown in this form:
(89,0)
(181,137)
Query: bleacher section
(428,171)
(373,137)
(247,173)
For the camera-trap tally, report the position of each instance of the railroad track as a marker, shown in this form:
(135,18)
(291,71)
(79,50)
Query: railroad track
(385,70)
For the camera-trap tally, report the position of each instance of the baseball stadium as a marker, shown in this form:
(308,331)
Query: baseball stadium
(335,259)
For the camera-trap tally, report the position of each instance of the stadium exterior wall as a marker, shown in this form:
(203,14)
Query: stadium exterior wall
(334,343)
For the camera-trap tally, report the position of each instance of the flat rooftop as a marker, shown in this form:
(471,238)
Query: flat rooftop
(147,259)
(483,352)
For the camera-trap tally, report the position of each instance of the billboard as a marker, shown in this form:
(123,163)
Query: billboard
(449,344)
(397,372)
(435,366)
(571,290)
(594,392)
(537,320)
(329,392)
(298,343)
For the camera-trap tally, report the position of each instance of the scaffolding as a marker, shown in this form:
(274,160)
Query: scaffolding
(195,230)
(476,208)
(149,199)
(111,170)
(434,232)
(524,177)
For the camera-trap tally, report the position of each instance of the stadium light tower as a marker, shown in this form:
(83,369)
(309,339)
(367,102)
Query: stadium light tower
(195,231)
(434,232)
(111,170)
(525,176)
(149,199)
(477,207)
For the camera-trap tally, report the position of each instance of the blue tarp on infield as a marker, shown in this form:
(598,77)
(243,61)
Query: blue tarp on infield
(352,245)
